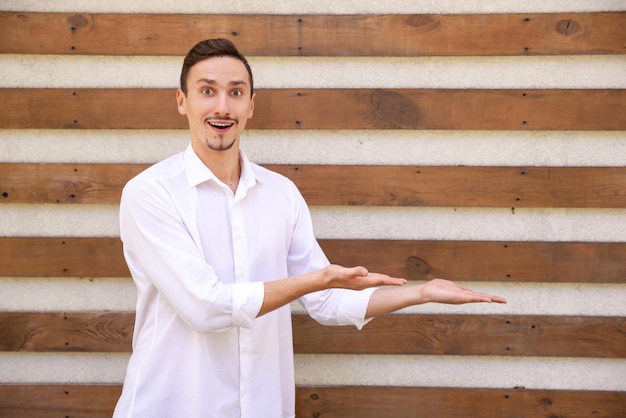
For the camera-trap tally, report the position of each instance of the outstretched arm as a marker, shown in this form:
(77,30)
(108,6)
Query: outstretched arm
(387,300)
(282,292)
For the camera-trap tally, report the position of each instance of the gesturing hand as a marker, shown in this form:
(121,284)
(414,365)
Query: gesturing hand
(445,291)
(357,278)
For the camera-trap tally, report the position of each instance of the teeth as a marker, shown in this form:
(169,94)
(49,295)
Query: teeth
(221,125)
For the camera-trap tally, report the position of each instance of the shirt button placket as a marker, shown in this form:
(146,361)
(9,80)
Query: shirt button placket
(240,247)
(246,368)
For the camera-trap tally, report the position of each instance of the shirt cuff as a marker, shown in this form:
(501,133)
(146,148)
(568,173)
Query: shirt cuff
(247,302)
(353,307)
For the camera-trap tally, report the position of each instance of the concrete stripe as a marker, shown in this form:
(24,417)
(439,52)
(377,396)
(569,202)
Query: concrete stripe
(429,371)
(489,224)
(440,148)
(55,294)
(531,72)
(314,6)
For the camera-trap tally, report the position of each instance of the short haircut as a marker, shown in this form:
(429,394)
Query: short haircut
(219,47)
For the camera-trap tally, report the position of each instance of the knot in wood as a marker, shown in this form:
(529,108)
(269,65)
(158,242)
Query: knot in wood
(423,21)
(417,268)
(77,21)
(567,27)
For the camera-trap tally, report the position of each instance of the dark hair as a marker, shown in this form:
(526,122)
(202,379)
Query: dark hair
(219,47)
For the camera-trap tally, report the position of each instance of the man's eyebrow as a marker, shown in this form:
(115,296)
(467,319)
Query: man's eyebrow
(213,82)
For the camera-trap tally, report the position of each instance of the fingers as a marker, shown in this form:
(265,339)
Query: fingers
(376,279)
(446,291)
(497,299)
(385,280)
(485,297)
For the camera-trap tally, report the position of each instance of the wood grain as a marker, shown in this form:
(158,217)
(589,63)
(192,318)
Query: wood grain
(464,109)
(362,185)
(72,332)
(316,35)
(527,261)
(397,402)
(508,261)
(555,187)
(98,401)
(65,183)
(62,257)
(62,401)
(560,336)
(500,335)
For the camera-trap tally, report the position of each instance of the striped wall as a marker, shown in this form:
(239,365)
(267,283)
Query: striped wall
(586,380)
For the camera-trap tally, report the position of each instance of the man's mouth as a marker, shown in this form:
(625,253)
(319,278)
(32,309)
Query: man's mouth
(220,125)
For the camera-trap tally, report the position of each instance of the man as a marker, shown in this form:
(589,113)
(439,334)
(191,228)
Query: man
(218,248)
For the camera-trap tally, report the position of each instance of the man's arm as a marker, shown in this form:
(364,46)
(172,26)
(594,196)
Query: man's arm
(390,299)
(281,292)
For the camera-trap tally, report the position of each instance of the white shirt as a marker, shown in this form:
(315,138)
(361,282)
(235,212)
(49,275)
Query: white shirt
(199,255)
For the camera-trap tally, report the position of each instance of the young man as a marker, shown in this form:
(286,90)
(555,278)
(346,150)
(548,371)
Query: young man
(218,248)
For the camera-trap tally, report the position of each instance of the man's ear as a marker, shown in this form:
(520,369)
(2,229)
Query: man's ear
(251,111)
(180,102)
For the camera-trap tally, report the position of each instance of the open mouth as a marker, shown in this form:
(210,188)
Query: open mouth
(221,125)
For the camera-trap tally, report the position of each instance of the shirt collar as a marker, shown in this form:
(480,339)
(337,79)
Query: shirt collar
(198,173)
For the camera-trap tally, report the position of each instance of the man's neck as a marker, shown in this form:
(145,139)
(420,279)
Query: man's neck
(224,164)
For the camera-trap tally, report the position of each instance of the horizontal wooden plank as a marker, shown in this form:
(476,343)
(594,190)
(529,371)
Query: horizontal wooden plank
(316,35)
(559,336)
(98,401)
(466,109)
(65,183)
(53,331)
(555,187)
(506,335)
(62,257)
(554,262)
(401,402)
(339,185)
(62,401)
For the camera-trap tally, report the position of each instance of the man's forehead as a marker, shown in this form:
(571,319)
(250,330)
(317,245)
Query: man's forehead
(220,68)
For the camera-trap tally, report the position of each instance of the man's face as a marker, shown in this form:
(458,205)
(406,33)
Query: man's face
(218,103)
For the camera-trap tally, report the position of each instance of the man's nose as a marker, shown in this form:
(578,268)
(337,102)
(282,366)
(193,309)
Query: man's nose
(222,105)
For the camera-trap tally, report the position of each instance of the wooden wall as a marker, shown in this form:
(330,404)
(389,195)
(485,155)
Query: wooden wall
(483,147)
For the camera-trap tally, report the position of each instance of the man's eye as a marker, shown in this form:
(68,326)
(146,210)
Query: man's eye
(237,92)
(206,90)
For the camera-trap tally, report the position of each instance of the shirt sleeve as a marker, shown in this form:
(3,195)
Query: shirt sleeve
(165,261)
(327,307)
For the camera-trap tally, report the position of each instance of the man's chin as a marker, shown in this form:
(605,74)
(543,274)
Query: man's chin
(220,144)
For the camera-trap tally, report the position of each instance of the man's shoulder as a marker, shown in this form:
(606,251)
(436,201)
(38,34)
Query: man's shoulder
(270,177)
(159,172)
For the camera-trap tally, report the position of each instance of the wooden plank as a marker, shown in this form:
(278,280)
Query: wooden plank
(91,109)
(62,257)
(467,109)
(98,401)
(316,35)
(400,402)
(553,262)
(505,335)
(555,187)
(65,183)
(58,400)
(73,332)
(364,185)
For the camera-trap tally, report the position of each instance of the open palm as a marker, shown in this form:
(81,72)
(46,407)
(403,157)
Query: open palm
(445,291)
